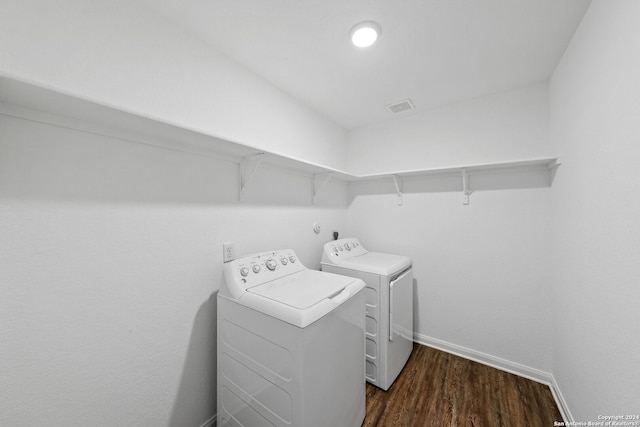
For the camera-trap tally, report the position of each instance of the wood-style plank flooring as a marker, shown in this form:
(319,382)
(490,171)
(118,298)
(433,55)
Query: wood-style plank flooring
(439,389)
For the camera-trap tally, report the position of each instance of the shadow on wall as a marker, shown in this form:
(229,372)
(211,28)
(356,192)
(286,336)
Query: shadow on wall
(197,389)
(45,161)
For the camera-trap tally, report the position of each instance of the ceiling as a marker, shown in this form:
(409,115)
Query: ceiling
(435,52)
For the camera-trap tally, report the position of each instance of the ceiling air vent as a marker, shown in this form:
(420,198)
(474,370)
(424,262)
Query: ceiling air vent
(401,106)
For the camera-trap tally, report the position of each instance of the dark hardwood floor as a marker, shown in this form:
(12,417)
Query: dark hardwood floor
(439,389)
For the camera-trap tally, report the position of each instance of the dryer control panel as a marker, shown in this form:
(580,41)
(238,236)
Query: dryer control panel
(342,249)
(253,270)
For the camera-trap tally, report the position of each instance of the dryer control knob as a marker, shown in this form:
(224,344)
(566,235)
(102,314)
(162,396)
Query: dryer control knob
(347,246)
(256,268)
(283,260)
(271,264)
(292,259)
(244,271)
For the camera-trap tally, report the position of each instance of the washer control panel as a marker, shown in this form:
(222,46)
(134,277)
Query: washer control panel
(253,270)
(343,249)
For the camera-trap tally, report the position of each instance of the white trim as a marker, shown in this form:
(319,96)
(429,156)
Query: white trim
(211,422)
(533,374)
(486,359)
(561,402)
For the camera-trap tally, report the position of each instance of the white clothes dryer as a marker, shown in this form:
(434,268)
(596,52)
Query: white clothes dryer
(290,345)
(389,304)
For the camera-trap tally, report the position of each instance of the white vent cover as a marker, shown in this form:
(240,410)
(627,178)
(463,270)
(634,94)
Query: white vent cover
(401,106)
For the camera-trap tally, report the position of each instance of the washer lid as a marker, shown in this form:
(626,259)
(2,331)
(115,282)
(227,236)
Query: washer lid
(302,290)
(377,263)
(301,298)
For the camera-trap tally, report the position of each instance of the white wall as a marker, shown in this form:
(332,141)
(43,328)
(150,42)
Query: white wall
(482,270)
(109,263)
(502,127)
(110,251)
(121,54)
(595,128)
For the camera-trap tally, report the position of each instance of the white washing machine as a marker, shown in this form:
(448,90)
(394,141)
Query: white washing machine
(290,345)
(389,304)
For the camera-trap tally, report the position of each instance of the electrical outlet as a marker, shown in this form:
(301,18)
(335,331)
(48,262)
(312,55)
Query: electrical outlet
(228,252)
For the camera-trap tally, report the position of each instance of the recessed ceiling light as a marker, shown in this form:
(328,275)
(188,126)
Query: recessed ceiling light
(365,33)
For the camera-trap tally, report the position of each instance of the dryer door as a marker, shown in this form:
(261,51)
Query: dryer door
(401,306)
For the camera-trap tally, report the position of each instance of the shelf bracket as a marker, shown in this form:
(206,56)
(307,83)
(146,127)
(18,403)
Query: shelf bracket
(466,192)
(397,181)
(248,167)
(319,181)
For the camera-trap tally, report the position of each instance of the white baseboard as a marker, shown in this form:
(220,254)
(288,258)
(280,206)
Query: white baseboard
(486,359)
(211,422)
(561,402)
(537,375)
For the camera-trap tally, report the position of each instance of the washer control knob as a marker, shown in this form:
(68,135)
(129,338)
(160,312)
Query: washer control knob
(347,246)
(244,271)
(335,249)
(284,260)
(292,259)
(271,264)
(256,268)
